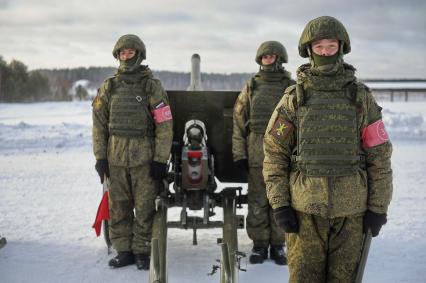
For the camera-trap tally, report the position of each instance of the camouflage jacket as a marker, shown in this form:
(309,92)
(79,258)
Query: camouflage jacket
(330,197)
(246,144)
(131,151)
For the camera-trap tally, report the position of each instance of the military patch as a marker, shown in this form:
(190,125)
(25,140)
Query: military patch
(162,114)
(374,134)
(281,128)
(160,104)
(97,103)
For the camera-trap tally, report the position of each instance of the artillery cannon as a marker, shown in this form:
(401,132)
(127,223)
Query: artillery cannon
(202,152)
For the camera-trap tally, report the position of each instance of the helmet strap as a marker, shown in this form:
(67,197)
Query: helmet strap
(311,59)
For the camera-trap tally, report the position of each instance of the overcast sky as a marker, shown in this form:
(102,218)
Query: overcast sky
(388,37)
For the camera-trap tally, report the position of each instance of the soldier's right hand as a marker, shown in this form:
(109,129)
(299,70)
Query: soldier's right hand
(102,168)
(286,219)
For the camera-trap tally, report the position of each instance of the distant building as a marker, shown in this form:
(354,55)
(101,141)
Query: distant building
(397,90)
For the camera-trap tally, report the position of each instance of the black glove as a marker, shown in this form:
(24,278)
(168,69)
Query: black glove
(242,164)
(158,170)
(286,219)
(102,168)
(374,222)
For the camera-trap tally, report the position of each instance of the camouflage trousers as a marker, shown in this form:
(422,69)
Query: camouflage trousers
(261,226)
(131,208)
(324,250)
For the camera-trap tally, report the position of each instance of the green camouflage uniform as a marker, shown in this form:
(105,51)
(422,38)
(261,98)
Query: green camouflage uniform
(315,163)
(124,133)
(252,111)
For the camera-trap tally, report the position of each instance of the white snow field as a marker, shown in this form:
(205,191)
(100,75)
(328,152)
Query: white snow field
(49,193)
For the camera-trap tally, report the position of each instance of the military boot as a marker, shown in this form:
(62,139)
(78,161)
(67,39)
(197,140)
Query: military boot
(258,255)
(142,261)
(122,259)
(278,255)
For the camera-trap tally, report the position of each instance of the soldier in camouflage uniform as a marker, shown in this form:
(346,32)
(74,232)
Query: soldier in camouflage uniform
(132,136)
(327,160)
(252,111)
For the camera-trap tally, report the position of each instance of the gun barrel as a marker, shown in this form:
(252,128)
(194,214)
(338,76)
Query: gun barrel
(195,73)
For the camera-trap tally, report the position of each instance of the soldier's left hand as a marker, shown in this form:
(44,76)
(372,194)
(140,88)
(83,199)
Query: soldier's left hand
(374,222)
(286,219)
(102,168)
(158,170)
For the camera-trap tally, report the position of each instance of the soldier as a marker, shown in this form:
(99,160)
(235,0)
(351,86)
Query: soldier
(132,136)
(252,111)
(2,241)
(327,160)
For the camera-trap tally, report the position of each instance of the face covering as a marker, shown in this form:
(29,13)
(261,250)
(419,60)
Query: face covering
(274,67)
(320,60)
(130,64)
(269,68)
(326,65)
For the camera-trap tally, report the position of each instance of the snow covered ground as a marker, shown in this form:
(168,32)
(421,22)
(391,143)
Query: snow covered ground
(49,192)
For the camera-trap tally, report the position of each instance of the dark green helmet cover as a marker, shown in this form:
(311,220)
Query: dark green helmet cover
(321,28)
(130,41)
(272,47)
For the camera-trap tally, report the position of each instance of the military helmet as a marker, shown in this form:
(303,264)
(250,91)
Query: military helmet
(321,28)
(272,47)
(130,41)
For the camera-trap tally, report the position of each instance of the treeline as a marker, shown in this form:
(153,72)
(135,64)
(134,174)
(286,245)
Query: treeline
(95,75)
(17,84)
(170,80)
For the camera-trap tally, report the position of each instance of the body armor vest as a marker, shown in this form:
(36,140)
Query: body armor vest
(264,98)
(328,141)
(128,110)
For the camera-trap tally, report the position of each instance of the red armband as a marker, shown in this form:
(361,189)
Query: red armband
(374,134)
(162,114)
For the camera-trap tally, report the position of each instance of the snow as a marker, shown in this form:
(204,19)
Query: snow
(49,192)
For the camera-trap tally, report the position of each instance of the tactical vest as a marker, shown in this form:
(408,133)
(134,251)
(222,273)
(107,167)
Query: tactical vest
(264,98)
(328,141)
(129,109)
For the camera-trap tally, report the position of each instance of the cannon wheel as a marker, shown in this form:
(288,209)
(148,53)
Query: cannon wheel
(229,273)
(158,264)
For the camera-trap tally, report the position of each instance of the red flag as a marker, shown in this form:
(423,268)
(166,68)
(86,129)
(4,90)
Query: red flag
(102,214)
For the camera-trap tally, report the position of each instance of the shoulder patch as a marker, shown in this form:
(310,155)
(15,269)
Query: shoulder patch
(97,102)
(281,128)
